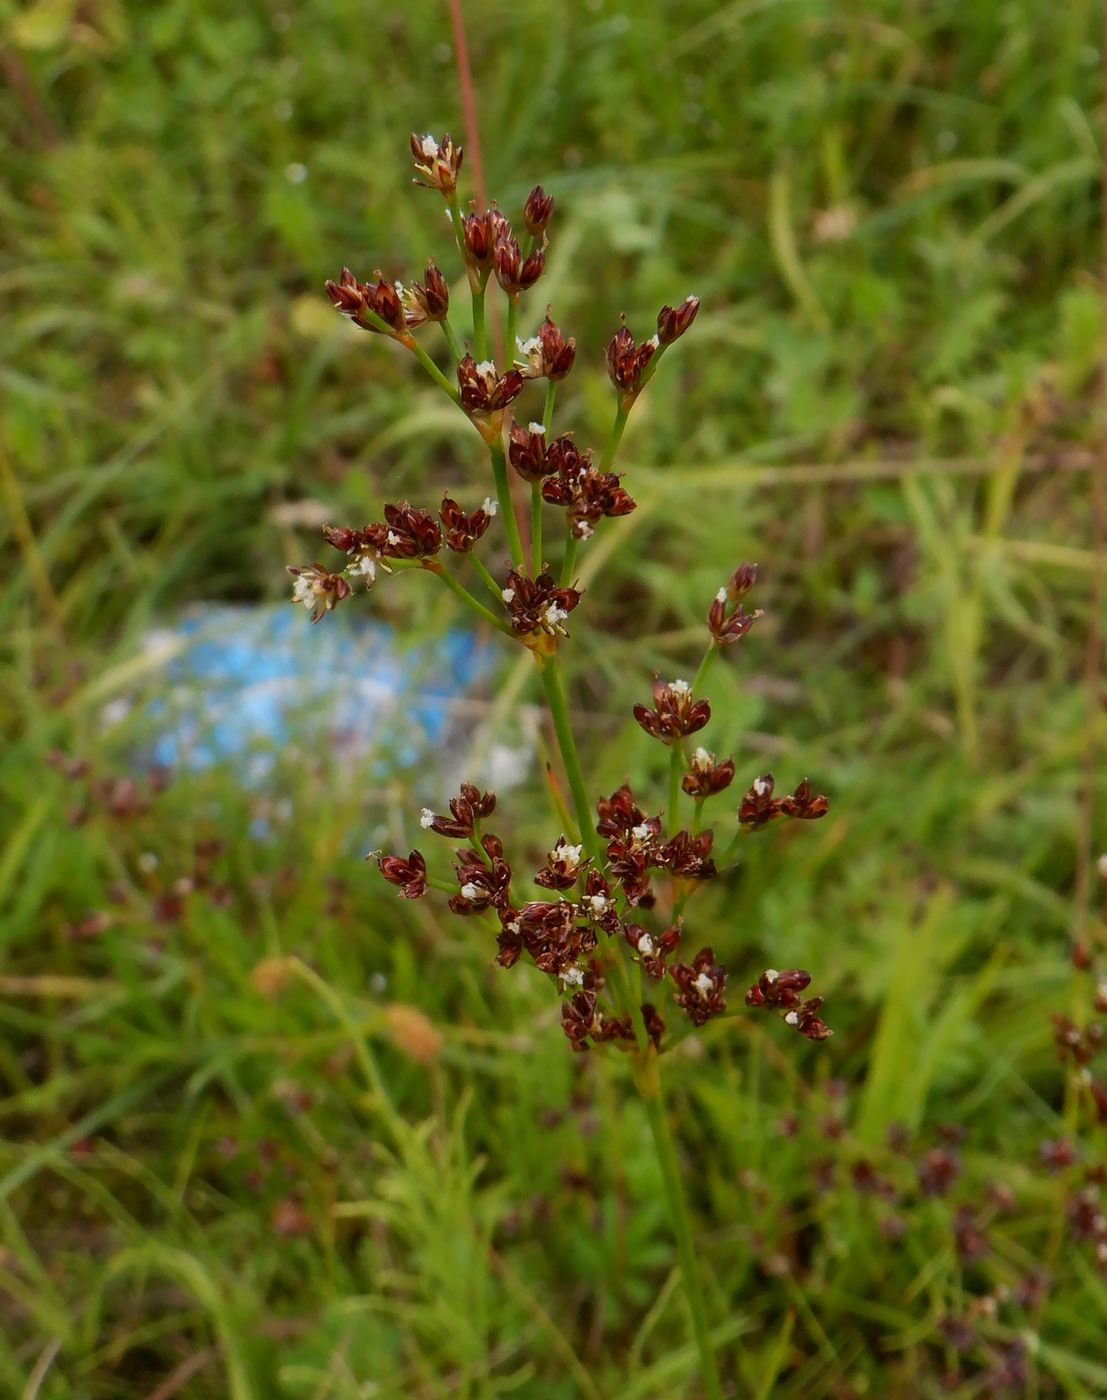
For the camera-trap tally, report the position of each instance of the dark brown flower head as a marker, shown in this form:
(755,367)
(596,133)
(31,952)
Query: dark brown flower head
(727,620)
(581,1021)
(673,322)
(563,866)
(317,589)
(428,300)
(706,777)
(437,162)
(587,494)
(803,804)
(702,987)
(537,211)
(1057,1154)
(597,903)
(538,606)
(655,1026)
(514,273)
(481,883)
(361,301)
(687,856)
(652,949)
(548,354)
(550,932)
(619,813)
(782,990)
(342,537)
(675,714)
(526,451)
(627,361)
(758,805)
(408,532)
(938,1170)
(468,808)
(483,389)
(480,233)
(409,874)
(741,581)
(461,530)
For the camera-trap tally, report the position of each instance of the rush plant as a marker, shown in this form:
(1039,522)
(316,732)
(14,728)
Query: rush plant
(603,919)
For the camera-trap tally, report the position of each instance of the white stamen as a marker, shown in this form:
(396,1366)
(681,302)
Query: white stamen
(393,538)
(470,892)
(681,688)
(760,786)
(654,341)
(363,565)
(701,759)
(429,146)
(553,616)
(573,977)
(645,946)
(641,833)
(508,595)
(584,531)
(721,596)
(486,368)
(770,975)
(565,855)
(528,347)
(704,985)
(490,507)
(598,903)
(303,591)
(426,819)
(792,1018)
(537,429)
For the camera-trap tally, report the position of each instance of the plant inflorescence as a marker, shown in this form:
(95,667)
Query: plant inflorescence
(604,916)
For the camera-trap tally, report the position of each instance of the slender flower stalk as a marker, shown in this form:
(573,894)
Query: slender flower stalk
(589,919)
(649,1089)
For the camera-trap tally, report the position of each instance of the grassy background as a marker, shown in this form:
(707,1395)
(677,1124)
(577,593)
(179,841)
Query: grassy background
(222,1173)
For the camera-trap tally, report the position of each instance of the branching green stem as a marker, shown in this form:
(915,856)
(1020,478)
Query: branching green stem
(705,666)
(451,338)
(566,743)
(569,563)
(480,330)
(621,416)
(547,412)
(507,505)
(435,373)
(486,578)
(649,1086)
(676,772)
(536,528)
(512,322)
(456,586)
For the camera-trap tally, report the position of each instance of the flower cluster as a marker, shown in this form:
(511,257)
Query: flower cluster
(602,911)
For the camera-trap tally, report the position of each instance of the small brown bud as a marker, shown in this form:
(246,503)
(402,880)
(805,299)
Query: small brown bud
(673,322)
(537,211)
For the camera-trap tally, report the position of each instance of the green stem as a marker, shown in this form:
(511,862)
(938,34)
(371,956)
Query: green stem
(536,528)
(621,416)
(569,563)
(480,330)
(559,713)
(676,772)
(512,322)
(489,582)
(507,505)
(451,339)
(456,586)
(435,373)
(649,1086)
(547,412)
(705,666)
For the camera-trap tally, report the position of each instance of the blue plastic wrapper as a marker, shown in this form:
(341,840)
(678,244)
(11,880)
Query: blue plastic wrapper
(245,684)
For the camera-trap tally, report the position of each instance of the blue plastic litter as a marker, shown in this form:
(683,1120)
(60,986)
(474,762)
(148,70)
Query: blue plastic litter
(249,682)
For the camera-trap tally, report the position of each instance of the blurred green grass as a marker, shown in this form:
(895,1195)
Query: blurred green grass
(212,1161)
